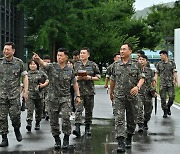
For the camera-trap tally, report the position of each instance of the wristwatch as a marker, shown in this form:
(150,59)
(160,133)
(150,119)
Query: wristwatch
(138,87)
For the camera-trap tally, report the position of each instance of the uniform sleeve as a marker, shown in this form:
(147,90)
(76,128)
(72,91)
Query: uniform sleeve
(73,77)
(157,68)
(23,69)
(174,66)
(140,73)
(48,68)
(112,77)
(96,71)
(152,75)
(45,76)
(108,72)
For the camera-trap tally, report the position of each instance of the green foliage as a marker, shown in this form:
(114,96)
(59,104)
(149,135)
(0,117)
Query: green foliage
(101,25)
(161,23)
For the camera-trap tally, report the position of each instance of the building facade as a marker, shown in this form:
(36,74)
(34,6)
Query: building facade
(12,26)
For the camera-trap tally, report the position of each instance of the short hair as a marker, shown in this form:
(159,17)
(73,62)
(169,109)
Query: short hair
(129,45)
(141,52)
(86,48)
(71,61)
(117,53)
(75,53)
(163,52)
(10,43)
(66,52)
(143,56)
(32,60)
(46,57)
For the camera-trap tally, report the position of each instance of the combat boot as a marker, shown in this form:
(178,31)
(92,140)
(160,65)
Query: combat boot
(169,110)
(4,142)
(57,142)
(29,125)
(37,125)
(77,130)
(129,140)
(146,125)
(165,113)
(18,134)
(65,141)
(141,128)
(121,145)
(87,130)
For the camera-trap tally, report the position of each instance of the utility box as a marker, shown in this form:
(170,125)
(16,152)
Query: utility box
(177,51)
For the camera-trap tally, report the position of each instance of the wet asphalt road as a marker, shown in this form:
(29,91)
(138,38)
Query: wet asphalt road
(163,136)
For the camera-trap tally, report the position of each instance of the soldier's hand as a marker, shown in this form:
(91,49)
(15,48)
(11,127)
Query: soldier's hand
(175,83)
(78,100)
(36,56)
(105,86)
(79,78)
(111,97)
(88,77)
(134,91)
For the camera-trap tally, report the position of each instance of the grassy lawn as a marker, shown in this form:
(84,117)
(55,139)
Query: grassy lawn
(101,81)
(177,93)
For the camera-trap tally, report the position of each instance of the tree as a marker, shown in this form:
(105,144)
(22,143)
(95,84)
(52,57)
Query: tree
(161,22)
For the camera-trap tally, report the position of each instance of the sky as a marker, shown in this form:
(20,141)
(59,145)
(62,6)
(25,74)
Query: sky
(141,4)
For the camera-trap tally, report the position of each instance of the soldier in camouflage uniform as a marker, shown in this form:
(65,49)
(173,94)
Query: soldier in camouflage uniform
(87,90)
(126,80)
(166,69)
(37,81)
(60,78)
(11,70)
(46,59)
(145,95)
(116,57)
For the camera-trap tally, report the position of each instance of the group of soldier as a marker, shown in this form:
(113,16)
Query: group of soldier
(132,86)
(60,78)
(70,87)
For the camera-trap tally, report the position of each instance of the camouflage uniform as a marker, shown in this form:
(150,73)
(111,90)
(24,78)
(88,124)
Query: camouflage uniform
(145,97)
(125,76)
(87,91)
(35,100)
(59,96)
(45,96)
(108,74)
(166,73)
(10,74)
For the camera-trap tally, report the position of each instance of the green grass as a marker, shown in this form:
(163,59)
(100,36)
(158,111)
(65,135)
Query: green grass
(177,95)
(101,81)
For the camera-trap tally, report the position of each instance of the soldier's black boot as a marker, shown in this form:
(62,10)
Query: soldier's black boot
(37,125)
(87,130)
(146,125)
(57,142)
(141,127)
(77,130)
(121,145)
(169,110)
(129,140)
(29,125)
(4,142)
(165,113)
(18,134)
(65,141)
